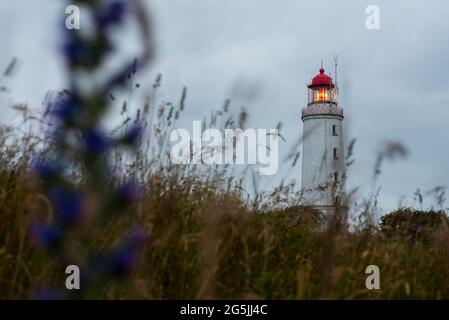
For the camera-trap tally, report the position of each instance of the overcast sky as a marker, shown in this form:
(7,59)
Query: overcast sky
(261,53)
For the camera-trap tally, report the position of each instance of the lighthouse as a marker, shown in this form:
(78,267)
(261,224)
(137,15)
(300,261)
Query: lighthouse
(323,160)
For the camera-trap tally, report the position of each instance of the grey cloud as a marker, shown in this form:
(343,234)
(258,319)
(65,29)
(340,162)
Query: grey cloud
(393,81)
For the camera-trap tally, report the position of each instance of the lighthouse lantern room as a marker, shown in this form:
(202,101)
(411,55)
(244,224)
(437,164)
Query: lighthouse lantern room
(321,89)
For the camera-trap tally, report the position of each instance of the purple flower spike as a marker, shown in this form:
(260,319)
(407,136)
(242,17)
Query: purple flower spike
(125,259)
(128,194)
(45,236)
(45,170)
(111,14)
(133,136)
(95,142)
(65,108)
(75,50)
(68,205)
(47,294)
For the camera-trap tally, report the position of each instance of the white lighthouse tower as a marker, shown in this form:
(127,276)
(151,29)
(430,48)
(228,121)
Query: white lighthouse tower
(323,161)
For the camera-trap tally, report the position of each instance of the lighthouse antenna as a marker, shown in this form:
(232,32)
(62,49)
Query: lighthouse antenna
(336,68)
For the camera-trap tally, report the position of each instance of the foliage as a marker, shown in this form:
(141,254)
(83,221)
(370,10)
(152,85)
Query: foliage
(413,225)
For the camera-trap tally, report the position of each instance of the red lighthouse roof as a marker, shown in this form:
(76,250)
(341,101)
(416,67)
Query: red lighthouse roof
(321,79)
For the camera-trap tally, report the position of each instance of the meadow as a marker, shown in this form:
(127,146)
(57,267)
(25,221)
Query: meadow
(208,240)
(74,192)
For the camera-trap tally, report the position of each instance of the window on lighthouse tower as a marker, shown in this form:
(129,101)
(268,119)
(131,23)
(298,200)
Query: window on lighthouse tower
(335,153)
(334,130)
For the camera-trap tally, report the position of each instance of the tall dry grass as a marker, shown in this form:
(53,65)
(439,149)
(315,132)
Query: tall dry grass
(209,240)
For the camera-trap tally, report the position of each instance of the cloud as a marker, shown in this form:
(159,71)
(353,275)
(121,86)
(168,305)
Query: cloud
(393,81)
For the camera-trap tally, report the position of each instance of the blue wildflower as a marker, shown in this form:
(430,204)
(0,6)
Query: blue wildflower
(95,142)
(47,294)
(69,205)
(124,261)
(127,194)
(45,170)
(133,135)
(113,13)
(65,108)
(75,50)
(125,258)
(45,236)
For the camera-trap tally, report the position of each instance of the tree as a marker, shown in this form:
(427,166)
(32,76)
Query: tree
(413,225)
